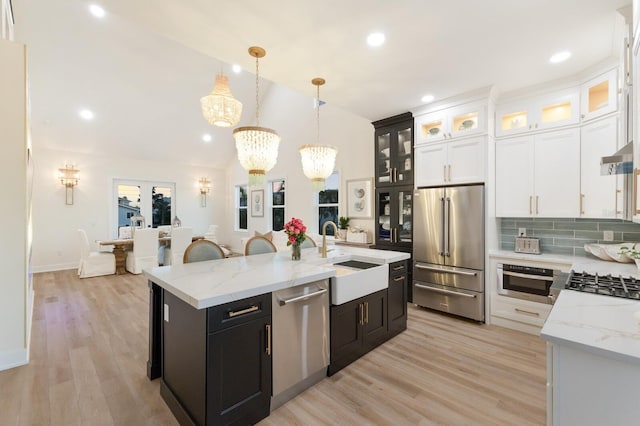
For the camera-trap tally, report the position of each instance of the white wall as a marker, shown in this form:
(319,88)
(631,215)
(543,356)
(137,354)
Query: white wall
(55,241)
(292,115)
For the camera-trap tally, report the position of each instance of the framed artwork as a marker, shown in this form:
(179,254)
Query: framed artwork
(359,198)
(257,203)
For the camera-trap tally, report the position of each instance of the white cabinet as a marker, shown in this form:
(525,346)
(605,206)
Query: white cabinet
(454,162)
(599,96)
(538,113)
(538,175)
(450,123)
(600,195)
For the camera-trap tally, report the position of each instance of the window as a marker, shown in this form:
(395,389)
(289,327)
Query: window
(328,202)
(277,204)
(241,207)
(152,200)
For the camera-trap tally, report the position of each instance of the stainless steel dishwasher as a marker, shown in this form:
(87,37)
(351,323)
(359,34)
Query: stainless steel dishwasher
(300,339)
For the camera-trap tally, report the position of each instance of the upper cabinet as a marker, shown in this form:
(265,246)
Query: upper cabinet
(538,113)
(394,150)
(451,163)
(450,123)
(599,96)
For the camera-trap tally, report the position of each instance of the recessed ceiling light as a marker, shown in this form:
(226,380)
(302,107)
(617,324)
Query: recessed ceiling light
(86,114)
(96,11)
(560,57)
(427,98)
(207,137)
(375,39)
(236,68)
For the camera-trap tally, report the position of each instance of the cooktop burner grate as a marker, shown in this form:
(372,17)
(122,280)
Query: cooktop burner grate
(608,285)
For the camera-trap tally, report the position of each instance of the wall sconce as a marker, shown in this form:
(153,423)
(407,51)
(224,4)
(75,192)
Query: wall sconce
(69,177)
(205,187)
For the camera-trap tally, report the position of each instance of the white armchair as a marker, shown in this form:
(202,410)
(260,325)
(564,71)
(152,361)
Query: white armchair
(93,264)
(180,240)
(145,250)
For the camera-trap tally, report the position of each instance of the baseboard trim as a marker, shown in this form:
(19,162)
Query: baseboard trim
(13,358)
(55,267)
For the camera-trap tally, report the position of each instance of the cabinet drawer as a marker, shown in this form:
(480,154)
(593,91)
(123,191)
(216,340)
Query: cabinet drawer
(397,268)
(238,312)
(520,310)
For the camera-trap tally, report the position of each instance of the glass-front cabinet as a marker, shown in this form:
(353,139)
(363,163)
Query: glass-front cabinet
(599,96)
(394,151)
(394,207)
(538,113)
(449,123)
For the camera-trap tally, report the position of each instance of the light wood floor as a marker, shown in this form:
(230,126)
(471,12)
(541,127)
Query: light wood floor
(89,354)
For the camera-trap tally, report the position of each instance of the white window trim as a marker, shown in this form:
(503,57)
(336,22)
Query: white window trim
(236,209)
(270,203)
(146,205)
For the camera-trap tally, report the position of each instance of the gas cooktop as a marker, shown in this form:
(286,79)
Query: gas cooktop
(608,285)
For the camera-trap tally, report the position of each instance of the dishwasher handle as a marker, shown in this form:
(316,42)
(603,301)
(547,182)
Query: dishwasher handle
(283,302)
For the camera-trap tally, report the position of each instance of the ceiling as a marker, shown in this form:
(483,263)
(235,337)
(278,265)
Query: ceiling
(142,71)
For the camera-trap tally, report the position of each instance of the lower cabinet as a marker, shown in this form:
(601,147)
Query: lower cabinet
(397,297)
(357,327)
(216,364)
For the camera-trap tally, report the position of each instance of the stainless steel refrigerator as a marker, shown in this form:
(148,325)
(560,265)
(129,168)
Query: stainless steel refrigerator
(448,249)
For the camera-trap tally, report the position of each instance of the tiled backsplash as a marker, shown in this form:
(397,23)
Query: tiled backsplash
(567,236)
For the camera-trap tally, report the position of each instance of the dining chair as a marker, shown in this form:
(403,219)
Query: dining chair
(94,263)
(259,245)
(202,250)
(180,240)
(308,243)
(145,250)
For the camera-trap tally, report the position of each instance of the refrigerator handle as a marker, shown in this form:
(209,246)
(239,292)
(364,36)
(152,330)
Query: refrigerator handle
(445,233)
(442,226)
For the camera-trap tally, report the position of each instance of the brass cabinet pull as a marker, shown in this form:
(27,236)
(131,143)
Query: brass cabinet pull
(391,174)
(449,172)
(530,198)
(582,203)
(398,268)
(268,330)
(444,172)
(361,309)
(616,210)
(243,311)
(399,278)
(366,314)
(537,212)
(522,311)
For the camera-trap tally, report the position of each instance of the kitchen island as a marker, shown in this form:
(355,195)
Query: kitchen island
(210,328)
(593,356)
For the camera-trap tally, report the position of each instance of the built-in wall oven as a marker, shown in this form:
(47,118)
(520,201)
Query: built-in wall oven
(526,282)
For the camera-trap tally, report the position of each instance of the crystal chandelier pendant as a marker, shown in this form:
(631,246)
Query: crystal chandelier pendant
(318,160)
(257,146)
(220,108)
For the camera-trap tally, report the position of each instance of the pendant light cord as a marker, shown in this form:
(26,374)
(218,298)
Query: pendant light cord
(318,112)
(257,91)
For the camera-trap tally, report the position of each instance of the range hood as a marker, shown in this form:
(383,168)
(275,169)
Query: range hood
(619,163)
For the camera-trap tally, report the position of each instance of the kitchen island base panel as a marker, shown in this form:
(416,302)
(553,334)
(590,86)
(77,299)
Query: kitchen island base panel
(174,405)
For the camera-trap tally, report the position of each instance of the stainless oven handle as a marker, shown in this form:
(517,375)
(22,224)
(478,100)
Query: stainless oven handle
(448,292)
(533,277)
(283,302)
(446,271)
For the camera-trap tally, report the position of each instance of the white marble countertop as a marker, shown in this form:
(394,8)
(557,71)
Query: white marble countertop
(603,325)
(211,283)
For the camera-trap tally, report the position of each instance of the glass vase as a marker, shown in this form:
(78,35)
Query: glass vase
(295,251)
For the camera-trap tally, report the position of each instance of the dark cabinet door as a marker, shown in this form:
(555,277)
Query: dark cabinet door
(375,320)
(346,334)
(394,211)
(239,373)
(394,150)
(397,297)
